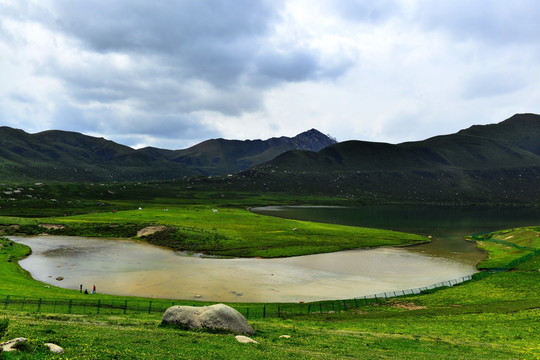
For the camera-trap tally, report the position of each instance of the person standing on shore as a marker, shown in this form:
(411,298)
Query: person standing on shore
(94,289)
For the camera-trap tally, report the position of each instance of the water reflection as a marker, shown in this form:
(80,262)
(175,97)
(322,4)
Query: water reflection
(446,225)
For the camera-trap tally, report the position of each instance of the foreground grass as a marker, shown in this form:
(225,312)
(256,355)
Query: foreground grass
(445,325)
(494,318)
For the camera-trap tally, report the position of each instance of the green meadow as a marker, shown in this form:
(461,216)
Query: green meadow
(225,231)
(494,317)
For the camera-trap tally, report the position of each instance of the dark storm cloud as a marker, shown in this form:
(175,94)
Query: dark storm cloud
(163,26)
(211,40)
(297,66)
(171,59)
(219,42)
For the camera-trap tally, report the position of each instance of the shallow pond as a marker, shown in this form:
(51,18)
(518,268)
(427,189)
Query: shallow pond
(126,267)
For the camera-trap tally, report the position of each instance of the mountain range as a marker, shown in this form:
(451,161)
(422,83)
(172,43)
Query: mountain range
(69,156)
(495,163)
(484,163)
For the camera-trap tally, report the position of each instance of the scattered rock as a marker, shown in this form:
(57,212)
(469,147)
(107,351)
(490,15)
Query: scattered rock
(245,340)
(12,345)
(60,278)
(52,226)
(285,336)
(218,317)
(149,230)
(54,348)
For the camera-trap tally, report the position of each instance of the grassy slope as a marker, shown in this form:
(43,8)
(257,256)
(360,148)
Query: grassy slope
(506,246)
(494,318)
(237,232)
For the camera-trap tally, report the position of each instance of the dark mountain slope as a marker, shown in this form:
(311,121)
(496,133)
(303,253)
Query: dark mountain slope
(512,143)
(70,156)
(483,163)
(521,130)
(219,156)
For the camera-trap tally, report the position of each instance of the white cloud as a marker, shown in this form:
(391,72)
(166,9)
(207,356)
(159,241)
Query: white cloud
(174,73)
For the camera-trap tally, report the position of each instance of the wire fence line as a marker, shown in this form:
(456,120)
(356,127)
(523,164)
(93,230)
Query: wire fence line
(250,311)
(533,252)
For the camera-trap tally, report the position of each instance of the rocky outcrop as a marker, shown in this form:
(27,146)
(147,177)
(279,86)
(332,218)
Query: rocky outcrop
(12,345)
(149,230)
(245,340)
(218,317)
(54,348)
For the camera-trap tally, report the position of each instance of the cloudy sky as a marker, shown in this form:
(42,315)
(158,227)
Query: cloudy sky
(173,73)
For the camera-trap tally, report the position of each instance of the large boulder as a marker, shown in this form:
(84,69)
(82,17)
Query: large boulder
(217,317)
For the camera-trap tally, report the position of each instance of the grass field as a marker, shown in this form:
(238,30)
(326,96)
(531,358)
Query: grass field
(226,231)
(494,318)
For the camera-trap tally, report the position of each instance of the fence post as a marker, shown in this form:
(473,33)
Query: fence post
(6,303)
(125,307)
(247,313)
(150,307)
(98,305)
(54,306)
(39,305)
(264,311)
(70,304)
(278,310)
(23,303)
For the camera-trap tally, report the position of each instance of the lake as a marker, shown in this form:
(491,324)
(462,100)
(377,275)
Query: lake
(126,267)
(135,268)
(446,225)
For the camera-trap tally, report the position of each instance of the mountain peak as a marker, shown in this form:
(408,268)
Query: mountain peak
(312,140)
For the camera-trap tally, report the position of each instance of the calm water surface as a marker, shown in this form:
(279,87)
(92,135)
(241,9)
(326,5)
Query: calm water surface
(447,225)
(126,267)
